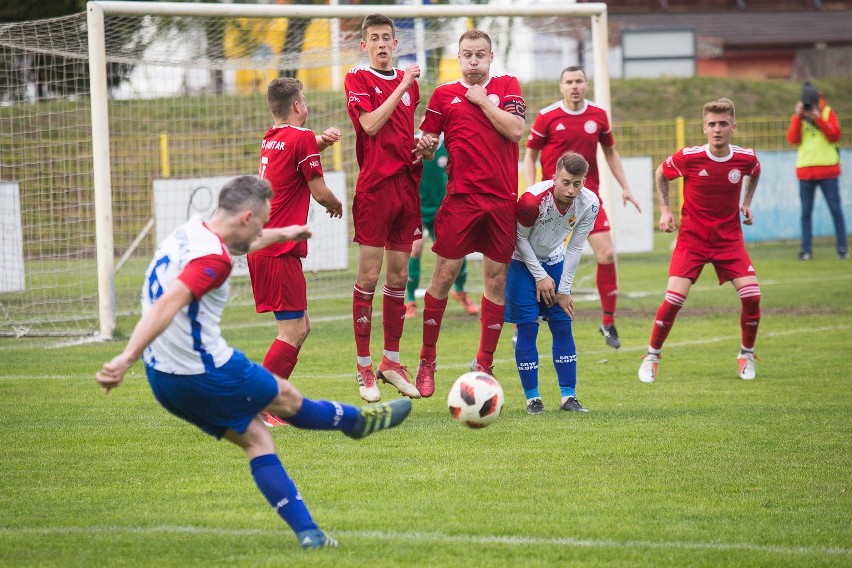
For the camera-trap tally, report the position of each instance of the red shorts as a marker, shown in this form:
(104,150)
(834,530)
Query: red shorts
(468,222)
(729,264)
(278,283)
(388,217)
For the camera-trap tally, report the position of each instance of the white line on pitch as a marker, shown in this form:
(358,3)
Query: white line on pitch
(444,538)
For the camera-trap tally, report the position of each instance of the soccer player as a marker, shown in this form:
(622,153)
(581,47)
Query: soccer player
(196,376)
(290,162)
(433,188)
(547,213)
(710,233)
(482,118)
(386,208)
(578,125)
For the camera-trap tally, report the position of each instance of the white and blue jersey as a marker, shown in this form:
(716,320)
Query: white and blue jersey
(192,343)
(540,251)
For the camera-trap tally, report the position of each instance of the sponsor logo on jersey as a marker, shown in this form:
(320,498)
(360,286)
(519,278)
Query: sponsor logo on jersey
(734,176)
(703,173)
(378,90)
(560,126)
(442,161)
(314,163)
(417,231)
(354,99)
(406,99)
(455,100)
(591,126)
(494,99)
(750,268)
(572,221)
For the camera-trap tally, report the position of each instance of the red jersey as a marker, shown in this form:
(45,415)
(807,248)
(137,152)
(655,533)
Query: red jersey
(481,159)
(711,195)
(388,153)
(289,157)
(557,130)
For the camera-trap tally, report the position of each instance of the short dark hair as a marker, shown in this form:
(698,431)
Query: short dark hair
(474,35)
(280,95)
(375,20)
(572,163)
(244,192)
(572,69)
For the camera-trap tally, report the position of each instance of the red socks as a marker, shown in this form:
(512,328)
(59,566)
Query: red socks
(750,314)
(393,316)
(433,314)
(362,319)
(608,291)
(665,317)
(281,359)
(492,319)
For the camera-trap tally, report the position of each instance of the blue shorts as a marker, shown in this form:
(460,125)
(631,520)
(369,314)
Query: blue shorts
(229,397)
(521,305)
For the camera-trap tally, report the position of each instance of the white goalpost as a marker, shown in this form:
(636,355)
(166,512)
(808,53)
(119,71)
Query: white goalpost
(123,121)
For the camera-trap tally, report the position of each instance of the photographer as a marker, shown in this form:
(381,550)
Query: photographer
(815,130)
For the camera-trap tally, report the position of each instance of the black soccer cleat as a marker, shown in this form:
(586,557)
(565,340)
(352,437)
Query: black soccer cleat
(535,406)
(380,416)
(571,404)
(611,335)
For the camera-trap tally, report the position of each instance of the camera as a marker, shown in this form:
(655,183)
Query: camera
(807,107)
(810,97)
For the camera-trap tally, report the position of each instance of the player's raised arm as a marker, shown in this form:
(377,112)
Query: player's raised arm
(280,235)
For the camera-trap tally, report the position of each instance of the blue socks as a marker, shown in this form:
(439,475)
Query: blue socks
(325,415)
(526,357)
(564,356)
(281,492)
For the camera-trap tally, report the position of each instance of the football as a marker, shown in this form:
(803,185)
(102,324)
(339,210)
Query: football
(475,399)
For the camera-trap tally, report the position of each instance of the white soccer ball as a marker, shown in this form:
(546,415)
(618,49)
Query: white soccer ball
(475,399)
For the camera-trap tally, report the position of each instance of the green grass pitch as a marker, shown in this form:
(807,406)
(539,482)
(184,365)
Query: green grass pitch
(697,469)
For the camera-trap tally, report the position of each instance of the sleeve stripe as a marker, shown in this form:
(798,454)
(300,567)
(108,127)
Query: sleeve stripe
(308,157)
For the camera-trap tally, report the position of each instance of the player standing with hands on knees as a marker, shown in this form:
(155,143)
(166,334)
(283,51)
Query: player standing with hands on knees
(290,162)
(196,376)
(714,175)
(482,118)
(542,271)
(578,125)
(381,103)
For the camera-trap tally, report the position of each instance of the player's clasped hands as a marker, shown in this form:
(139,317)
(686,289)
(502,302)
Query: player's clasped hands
(424,148)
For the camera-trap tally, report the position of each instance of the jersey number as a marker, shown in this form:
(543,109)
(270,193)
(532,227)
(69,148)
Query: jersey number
(155,288)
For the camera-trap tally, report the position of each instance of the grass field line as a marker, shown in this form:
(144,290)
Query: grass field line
(419,537)
(593,352)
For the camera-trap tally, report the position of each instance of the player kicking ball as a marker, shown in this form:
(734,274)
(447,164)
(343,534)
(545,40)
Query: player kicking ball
(542,271)
(196,376)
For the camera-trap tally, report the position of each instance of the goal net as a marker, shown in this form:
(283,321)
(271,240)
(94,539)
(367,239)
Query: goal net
(96,169)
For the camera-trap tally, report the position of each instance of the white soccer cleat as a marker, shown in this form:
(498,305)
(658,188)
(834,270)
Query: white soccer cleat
(746,362)
(648,368)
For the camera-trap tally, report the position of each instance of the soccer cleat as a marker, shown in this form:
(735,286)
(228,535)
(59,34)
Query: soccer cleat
(380,416)
(648,368)
(746,363)
(410,310)
(314,538)
(476,367)
(842,255)
(425,380)
(367,384)
(271,420)
(394,374)
(464,299)
(804,255)
(571,404)
(611,335)
(535,406)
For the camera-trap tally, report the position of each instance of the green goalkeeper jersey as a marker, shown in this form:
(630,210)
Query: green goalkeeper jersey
(433,185)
